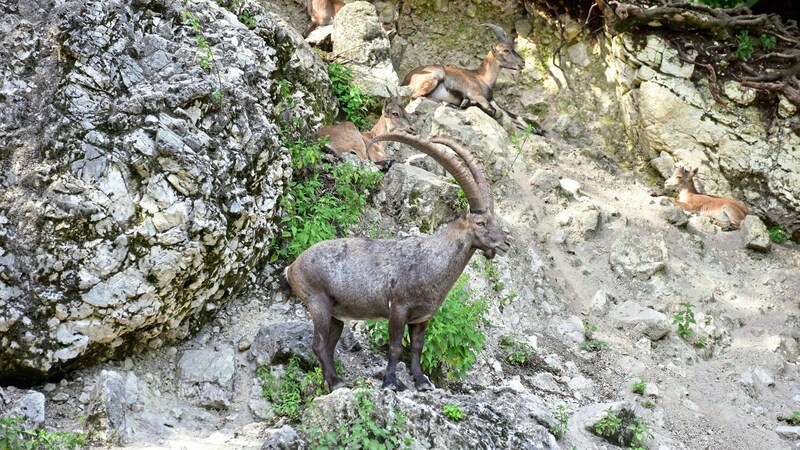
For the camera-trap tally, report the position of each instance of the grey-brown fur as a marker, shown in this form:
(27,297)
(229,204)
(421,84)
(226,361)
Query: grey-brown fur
(404,280)
(466,87)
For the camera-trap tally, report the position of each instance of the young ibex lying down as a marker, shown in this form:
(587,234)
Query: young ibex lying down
(466,87)
(724,212)
(404,280)
(345,137)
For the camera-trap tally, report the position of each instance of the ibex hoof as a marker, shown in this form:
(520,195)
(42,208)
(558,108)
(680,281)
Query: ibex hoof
(338,384)
(424,384)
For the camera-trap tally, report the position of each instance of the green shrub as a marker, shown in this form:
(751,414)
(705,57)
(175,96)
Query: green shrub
(684,319)
(590,344)
(353,102)
(321,202)
(778,234)
(639,432)
(794,419)
(518,353)
(639,387)
(363,432)
(293,390)
(561,426)
(14,435)
(453,412)
(453,339)
(609,425)
(747,45)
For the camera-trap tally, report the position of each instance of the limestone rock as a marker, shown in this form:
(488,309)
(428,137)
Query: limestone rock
(632,255)
(133,202)
(107,416)
(277,343)
(756,234)
(207,375)
(419,197)
(545,180)
(284,438)
(30,407)
(788,432)
(649,322)
(701,226)
(664,164)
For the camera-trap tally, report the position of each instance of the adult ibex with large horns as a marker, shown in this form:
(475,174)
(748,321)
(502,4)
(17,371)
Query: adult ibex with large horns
(404,280)
(466,87)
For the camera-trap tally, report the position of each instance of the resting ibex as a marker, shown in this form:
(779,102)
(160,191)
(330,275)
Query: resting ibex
(724,212)
(321,12)
(466,87)
(345,137)
(404,280)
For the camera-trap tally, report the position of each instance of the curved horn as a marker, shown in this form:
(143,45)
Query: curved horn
(474,164)
(450,163)
(499,32)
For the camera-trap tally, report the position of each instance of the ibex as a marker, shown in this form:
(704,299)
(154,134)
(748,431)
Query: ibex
(466,87)
(321,12)
(404,280)
(345,137)
(724,212)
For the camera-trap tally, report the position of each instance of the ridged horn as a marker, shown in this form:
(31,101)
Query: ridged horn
(453,165)
(499,32)
(474,164)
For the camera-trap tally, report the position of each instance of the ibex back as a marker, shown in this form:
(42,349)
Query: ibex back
(725,212)
(466,87)
(404,280)
(345,137)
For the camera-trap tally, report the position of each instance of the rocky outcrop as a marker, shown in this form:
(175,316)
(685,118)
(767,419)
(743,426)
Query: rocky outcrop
(137,188)
(665,112)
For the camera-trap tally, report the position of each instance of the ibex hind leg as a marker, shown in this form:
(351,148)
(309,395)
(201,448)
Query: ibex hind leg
(397,325)
(416,332)
(327,330)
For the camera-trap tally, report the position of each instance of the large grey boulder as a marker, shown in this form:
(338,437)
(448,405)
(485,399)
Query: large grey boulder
(635,256)
(416,196)
(756,234)
(632,317)
(278,343)
(132,201)
(106,416)
(207,377)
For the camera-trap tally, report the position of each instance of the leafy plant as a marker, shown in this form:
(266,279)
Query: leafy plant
(559,429)
(519,139)
(14,435)
(353,102)
(507,299)
(649,404)
(794,418)
(609,425)
(639,387)
(363,432)
(778,234)
(453,339)
(640,432)
(493,275)
(684,319)
(519,353)
(291,393)
(321,202)
(453,412)
(205,58)
(590,344)
(747,45)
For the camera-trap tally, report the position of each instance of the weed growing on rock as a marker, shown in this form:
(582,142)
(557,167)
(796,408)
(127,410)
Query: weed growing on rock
(684,318)
(205,57)
(747,45)
(519,139)
(14,435)
(454,337)
(353,102)
(518,353)
(493,275)
(363,432)
(322,201)
(560,428)
(640,432)
(623,429)
(590,344)
(778,234)
(453,412)
(292,391)
(609,425)
(794,418)
(639,387)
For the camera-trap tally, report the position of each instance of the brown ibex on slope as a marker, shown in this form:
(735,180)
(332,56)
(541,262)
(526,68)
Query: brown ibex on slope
(404,280)
(725,212)
(321,12)
(466,87)
(345,136)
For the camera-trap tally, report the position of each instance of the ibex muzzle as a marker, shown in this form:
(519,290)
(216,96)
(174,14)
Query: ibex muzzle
(404,280)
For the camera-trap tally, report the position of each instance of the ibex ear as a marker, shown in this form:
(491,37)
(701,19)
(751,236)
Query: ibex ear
(386,104)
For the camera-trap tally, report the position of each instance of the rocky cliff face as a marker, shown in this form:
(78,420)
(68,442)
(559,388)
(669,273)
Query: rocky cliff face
(133,199)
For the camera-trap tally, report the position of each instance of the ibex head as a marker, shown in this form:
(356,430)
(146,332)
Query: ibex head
(681,177)
(503,50)
(395,114)
(479,222)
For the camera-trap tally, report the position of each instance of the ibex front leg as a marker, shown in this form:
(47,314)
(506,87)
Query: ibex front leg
(397,325)
(327,330)
(417,333)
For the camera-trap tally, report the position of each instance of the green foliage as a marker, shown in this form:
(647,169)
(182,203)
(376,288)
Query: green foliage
(639,387)
(363,432)
(519,139)
(649,404)
(684,319)
(590,344)
(322,201)
(205,58)
(726,3)
(353,102)
(778,234)
(609,425)
(14,435)
(794,419)
(561,426)
(291,393)
(507,299)
(640,432)
(748,45)
(493,275)
(519,353)
(453,339)
(453,412)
